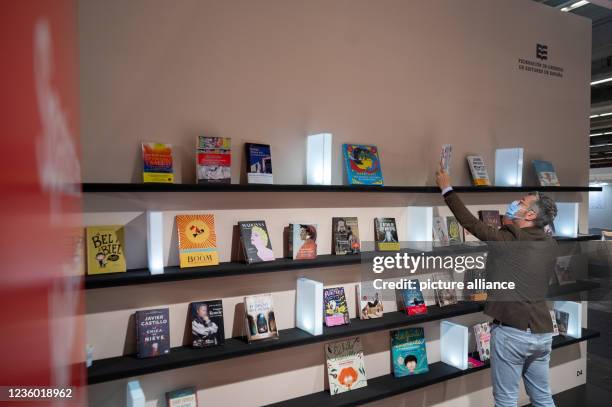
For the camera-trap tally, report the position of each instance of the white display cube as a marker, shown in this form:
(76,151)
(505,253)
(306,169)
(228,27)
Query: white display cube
(509,167)
(454,344)
(309,306)
(155,242)
(135,395)
(566,222)
(574,323)
(319,159)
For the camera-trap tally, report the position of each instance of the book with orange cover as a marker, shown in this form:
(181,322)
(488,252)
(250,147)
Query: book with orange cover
(197,240)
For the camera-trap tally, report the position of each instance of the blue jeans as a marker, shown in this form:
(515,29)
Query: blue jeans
(516,353)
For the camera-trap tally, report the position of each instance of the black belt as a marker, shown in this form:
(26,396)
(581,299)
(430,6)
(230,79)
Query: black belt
(498,322)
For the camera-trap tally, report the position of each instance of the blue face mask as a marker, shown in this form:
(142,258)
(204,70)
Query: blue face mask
(513,209)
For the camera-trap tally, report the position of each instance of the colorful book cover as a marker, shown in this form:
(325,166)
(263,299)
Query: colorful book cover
(259,163)
(335,310)
(259,319)
(563,270)
(345,365)
(490,217)
(197,240)
(445,296)
(105,249)
(440,232)
(157,160)
(182,398)
(455,231)
(478,169)
(213,160)
(474,280)
(562,319)
(153,332)
(345,233)
(409,352)
(370,300)
(546,174)
(482,333)
(256,241)
(445,157)
(304,241)
(472,363)
(362,164)
(385,232)
(411,300)
(207,323)
(553,318)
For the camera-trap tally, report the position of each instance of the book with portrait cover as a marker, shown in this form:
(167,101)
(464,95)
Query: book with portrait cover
(345,365)
(370,300)
(411,300)
(482,334)
(440,233)
(105,249)
(490,217)
(345,234)
(445,296)
(197,240)
(153,332)
(255,241)
(182,398)
(455,231)
(259,317)
(563,271)
(545,171)
(213,160)
(409,352)
(478,169)
(303,241)
(562,319)
(335,309)
(362,164)
(259,163)
(157,163)
(385,234)
(207,323)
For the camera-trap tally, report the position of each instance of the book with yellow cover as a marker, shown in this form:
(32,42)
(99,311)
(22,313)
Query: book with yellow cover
(157,163)
(197,240)
(105,249)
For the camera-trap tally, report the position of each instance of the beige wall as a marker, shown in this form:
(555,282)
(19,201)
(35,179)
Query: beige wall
(404,75)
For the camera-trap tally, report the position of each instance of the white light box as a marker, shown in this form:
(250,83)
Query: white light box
(319,159)
(566,222)
(309,306)
(574,323)
(454,344)
(155,242)
(135,395)
(419,227)
(509,167)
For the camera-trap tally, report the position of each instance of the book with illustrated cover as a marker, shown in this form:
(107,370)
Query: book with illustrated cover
(409,352)
(182,398)
(482,333)
(370,300)
(197,240)
(562,319)
(563,270)
(303,241)
(445,296)
(213,160)
(259,163)
(259,319)
(362,164)
(255,241)
(490,217)
(411,300)
(546,174)
(385,233)
(440,232)
(345,234)
(335,309)
(157,163)
(455,231)
(153,332)
(473,290)
(105,249)
(345,365)
(207,323)
(478,169)
(445,157)
(553,318)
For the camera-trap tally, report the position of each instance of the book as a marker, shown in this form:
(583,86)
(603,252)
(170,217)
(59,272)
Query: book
(370,300)
(197,240)
(563,270)
(553,318)
(259,317)
(213,160)
(409,352)
(255,241)
(335,309)
(362,164)
(545,172)
(345,236)
(105,249)
(490,217)
(454,229)
(440,232)
(182,398)
(259,163)
(472,363)
(445,296)
(445,157)
(478,169)
(562,319)
(385,234)
(303,241)
(157,163)
(153,332)
(411,299)
(207,323)
(345,365)
(482,334)
(472,290)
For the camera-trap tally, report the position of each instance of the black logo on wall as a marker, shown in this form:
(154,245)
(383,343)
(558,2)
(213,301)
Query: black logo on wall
(542,52)
(540,65)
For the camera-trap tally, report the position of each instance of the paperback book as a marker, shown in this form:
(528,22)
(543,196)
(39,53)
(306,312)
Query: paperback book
(259,163)
(490,217)
(478,169)
(303,241)
(105,249)
(207,323)
(409,352)
(474,291)
(455,231)
(197,240)
(445,157)
(411,299)
(440,233)
(345,365)
(335,309)
(385,232)
(553,318)
(345,233)
(157,163)
(255,241)
(546,173)
(362,164)
(445,296)
(182,398)
(482,333)
(259,318)
(370,300)
(562,319)
(213,160)
(153,332)
(563,270)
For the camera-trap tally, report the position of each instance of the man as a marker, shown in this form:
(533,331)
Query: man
(519,252)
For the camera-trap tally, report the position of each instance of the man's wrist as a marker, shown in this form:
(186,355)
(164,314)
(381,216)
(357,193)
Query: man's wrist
(446,190)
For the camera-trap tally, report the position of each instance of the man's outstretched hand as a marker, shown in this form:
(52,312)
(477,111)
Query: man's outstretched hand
(442,178)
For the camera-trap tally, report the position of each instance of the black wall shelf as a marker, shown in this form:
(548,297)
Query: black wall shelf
(386,386)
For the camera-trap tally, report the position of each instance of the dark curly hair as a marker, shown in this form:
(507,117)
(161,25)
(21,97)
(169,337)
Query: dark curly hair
(545,209)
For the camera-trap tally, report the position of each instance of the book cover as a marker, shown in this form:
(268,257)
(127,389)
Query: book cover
(207,323)
(153,332)
(335,310)
(563,270)
(445,296)
(259,319)
(411,300)
(385,233)
(454,229)
(345,234)
(440,232)
(472,363)
(490,217)
(105,249)
(259,163)
(362,164)
(482,334)
(478,169)
(474,291)
(197,240)
(182,398)
(213,160)
(304,241)
(256,241)
(370,300)
(345,365)
(545,172)
(562,319)
(409,352)
(553,318)
(157,163)
(445,157)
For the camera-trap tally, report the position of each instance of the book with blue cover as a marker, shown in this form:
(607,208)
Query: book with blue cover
(411,299)
(362,164)
(259,163)
(546,174)
(408,352)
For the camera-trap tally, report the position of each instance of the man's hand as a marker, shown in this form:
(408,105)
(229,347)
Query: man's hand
(442,178)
